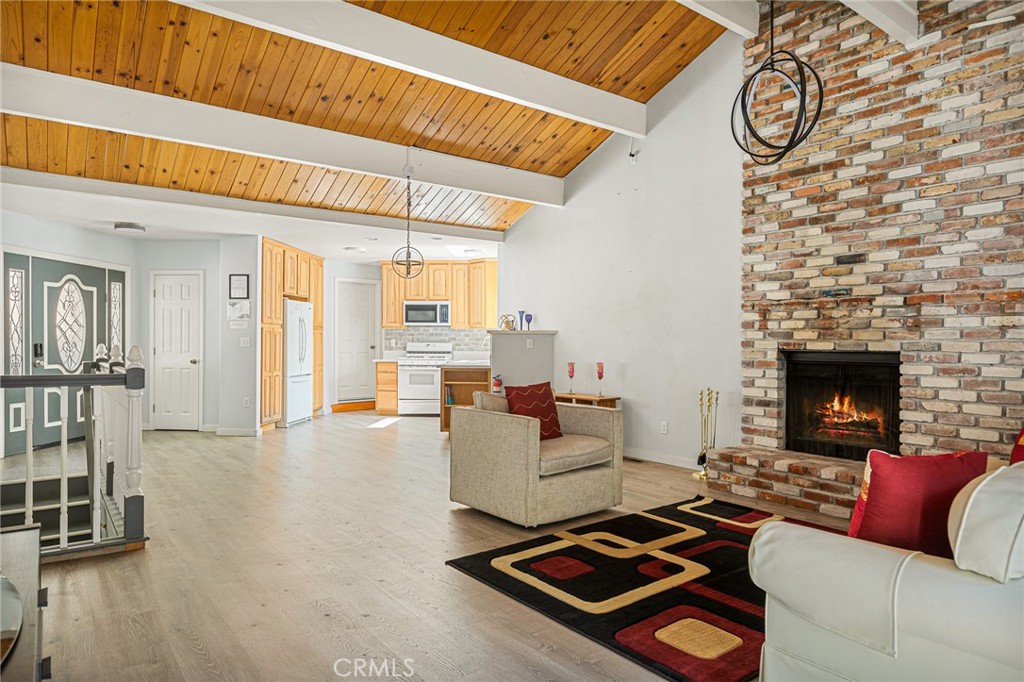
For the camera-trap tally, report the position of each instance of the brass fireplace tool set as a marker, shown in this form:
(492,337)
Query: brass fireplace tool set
(708,402)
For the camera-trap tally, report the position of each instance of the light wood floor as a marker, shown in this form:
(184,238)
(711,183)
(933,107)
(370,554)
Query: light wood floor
(272,558)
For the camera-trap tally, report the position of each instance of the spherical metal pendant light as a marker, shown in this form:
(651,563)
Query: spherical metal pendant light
(407,262)
(784,69)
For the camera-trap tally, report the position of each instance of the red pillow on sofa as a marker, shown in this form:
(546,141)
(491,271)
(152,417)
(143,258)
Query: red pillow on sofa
(1017,453)
(909,500)
(536,400)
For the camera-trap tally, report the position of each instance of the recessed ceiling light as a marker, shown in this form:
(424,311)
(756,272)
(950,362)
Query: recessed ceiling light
(473,252)
(129,227)
(370,239)
(437,239)
(354,249)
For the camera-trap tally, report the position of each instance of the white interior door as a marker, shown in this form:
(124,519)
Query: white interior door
(177,351)
(355,337)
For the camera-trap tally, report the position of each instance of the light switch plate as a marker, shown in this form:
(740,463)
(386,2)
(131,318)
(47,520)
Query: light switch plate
(245,341)
(529,343)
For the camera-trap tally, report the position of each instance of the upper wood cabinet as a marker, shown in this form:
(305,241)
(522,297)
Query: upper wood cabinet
(316,290)
(302,287)
(291,272)
(416,288)
(392,297)
(438,281)
(272,282)
(470,286)
(459,286)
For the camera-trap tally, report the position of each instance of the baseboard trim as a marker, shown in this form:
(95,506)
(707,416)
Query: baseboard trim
(148,427)
(641,455)
(356,406)
(251,433)
(208,428)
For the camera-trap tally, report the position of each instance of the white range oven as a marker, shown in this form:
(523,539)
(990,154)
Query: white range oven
(419,377)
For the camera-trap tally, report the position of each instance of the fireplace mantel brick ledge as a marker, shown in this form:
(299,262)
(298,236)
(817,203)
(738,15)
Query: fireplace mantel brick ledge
(809,482)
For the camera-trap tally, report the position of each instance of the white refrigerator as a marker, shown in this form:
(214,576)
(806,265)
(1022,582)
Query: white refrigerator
(298,362)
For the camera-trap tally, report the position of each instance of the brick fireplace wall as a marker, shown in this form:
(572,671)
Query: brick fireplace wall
(899,224)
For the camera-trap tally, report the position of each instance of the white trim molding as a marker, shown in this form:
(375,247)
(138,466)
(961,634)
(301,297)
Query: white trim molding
(739,16)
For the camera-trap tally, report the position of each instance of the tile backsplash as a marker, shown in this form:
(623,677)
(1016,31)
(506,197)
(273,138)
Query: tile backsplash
(461,339)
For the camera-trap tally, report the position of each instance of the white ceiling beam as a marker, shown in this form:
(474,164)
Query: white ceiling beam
(18,177)
(739,16)
(898,18)
(378,38)
(55,97)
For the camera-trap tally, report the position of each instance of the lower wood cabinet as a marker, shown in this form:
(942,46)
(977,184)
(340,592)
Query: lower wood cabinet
(387,388)
(318,369)
(272,376)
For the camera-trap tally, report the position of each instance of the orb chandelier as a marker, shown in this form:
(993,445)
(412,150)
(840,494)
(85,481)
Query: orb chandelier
(795,76)
(407,262)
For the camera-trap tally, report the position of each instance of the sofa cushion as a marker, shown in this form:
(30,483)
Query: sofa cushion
(538,401)
(986,524)
(909,499)
(571,452)
(492,402)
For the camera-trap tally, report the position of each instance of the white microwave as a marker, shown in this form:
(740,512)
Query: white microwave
(427,314)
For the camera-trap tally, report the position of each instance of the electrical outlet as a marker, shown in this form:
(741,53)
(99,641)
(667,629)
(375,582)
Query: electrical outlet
(245,401)
(529,344)
(245,342)
(664,428)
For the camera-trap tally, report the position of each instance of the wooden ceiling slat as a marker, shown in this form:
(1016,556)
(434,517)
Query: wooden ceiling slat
(266,74)
(563,39)
(150,46)
(59,16)
(209,65)
(348,92)
(199,32)
(245,77)
(400,126)
(34,34)
(197,169)
(552,16)
(57,148)
(421,129)
(12,41)
(317,198)
(643,45)
(306,192)
(326,90)
(297,174)
(290,63)
(174,46)
(148,166)
(133,22)
(381,92)
(245,164)
(275,171)
(113,149)
(181,166)
(230,62)
(254,181)
(308,61)
(133,149)
(330,197)
(3,143)
(37,137)
(17,141)
(228,174)
(108,29)
(214,172)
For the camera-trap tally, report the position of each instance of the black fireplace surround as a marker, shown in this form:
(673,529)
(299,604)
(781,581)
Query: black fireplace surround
(842,404)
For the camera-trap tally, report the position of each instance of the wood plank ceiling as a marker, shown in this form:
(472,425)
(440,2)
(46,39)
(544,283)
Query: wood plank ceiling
(629,48)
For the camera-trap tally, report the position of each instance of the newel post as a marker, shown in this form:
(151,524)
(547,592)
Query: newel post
(134,510)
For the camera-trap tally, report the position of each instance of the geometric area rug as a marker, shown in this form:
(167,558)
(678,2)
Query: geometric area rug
(668,588)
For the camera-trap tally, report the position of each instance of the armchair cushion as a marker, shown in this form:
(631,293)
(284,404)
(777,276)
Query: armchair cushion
(986,524)
(538,401)
(569,452)
(492,402)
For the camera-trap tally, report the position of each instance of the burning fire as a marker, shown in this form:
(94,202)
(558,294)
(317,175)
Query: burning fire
(841,416)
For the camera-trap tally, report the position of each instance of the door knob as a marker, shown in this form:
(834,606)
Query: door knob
(38,363)
(193,361)
(373,347)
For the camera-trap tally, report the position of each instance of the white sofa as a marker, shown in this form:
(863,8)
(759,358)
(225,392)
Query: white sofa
(840,608)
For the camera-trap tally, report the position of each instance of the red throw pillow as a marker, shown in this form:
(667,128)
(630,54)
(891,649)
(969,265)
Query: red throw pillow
(910,498)
(536,400)
(1017,453)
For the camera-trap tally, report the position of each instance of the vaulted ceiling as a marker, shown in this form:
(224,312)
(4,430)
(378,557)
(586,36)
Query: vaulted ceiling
(213,59)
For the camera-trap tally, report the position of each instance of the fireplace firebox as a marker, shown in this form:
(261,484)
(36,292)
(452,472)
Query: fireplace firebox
(842,404)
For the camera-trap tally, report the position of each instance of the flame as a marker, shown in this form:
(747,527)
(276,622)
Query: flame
(842,411)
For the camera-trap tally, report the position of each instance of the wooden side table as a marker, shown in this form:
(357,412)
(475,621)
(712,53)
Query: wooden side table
(588,399)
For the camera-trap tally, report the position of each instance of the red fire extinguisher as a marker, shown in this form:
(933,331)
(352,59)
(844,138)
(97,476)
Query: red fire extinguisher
(496,384)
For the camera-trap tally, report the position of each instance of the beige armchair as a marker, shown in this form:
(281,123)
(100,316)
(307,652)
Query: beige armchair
(500,466)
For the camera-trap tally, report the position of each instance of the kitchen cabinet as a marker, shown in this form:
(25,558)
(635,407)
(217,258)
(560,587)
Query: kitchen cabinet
(291,272)
(387,388)
(483,294)
(457,387)
(438,278)
(416,288)
(302,284)
(470,286)
(287,272)
(392,298)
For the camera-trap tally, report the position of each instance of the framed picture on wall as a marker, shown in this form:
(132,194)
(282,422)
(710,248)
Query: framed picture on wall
(238,286)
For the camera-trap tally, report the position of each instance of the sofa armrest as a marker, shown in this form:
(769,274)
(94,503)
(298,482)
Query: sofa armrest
(587,420)
(799,566)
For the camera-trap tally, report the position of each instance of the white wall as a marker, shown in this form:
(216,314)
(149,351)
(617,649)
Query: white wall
(239,365)
(641,268)
(184,255)
(334,269)
(29,232)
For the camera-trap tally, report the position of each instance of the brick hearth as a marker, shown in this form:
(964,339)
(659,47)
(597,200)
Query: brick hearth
(897,226)
(809,482)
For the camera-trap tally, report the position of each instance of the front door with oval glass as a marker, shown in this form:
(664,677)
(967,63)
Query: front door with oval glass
(56,314)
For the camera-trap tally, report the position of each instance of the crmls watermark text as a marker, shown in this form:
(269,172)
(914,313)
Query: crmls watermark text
(372,667)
